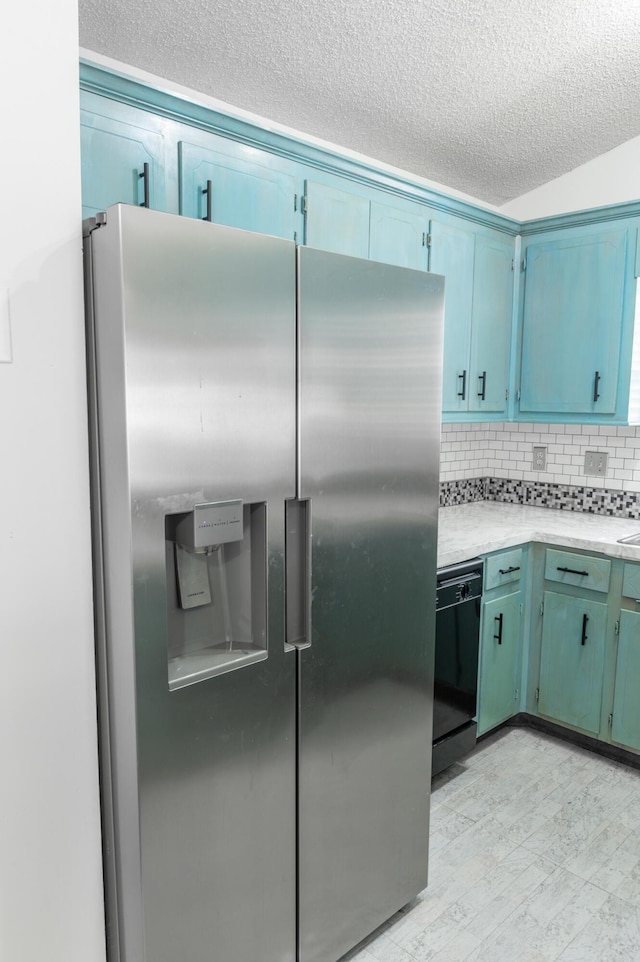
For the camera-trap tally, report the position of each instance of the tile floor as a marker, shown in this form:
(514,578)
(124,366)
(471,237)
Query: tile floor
(535,857)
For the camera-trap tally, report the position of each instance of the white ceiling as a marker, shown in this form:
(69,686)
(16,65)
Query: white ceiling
(491,97)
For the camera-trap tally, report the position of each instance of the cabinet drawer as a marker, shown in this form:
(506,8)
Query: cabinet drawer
(578,570)
(502,569)
(631,581)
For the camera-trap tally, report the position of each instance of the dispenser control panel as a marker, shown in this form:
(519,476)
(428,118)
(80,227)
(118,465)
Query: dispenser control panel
(209,524)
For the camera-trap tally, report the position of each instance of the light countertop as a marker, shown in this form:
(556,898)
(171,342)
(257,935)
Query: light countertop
(468,530)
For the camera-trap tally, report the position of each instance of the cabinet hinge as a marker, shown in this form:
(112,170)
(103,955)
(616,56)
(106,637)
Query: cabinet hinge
(617,627)
(513,263)
(295,201)
(518,394)
(303,204)
(426,240)
(537,695)
(523,264)
(516,695)
(506,394)
(611,721)
(521,609)
(541,608)
(295,237)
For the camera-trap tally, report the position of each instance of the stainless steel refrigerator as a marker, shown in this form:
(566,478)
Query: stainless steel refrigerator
(265,425)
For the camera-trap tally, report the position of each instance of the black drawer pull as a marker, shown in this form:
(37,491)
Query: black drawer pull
(507,571)
(463,393)
(572,571)
(498,637)
(483,378)
(585,619)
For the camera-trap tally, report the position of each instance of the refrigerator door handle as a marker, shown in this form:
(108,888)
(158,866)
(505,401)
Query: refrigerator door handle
(298,573)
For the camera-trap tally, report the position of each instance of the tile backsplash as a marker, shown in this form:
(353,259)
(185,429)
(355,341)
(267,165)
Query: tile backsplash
(505,450)
(494,461)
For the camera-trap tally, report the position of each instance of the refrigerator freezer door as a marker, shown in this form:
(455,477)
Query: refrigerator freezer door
(370,357)
(195,395)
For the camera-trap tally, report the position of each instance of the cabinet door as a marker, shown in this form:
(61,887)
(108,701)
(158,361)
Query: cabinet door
(572,660)
(398,236)
(336,220)
(491,320)
(572,323)
(452,252)
(499,649)
(625,727)
(251,194)
(113,155)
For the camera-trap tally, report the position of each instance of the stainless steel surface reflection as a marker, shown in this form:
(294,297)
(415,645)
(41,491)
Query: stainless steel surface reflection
(196,402)
(370,351)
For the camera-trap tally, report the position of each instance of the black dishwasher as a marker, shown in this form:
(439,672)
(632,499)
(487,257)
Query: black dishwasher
(459,594)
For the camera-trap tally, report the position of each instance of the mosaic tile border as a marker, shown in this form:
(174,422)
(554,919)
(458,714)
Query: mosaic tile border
(565,497)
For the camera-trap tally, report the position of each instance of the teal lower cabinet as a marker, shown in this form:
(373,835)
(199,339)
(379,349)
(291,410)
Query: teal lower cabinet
(572,660)
(499,660)
(625,724)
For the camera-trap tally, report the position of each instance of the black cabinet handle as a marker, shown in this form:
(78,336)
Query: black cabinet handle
(572,571)
(585,619)
(498,637)
(145,183)
(208,190)
(463,393)
(507,571)
(596,385)
(483,378)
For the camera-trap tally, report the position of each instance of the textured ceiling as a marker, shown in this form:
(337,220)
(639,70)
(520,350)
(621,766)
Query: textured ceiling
(490,97)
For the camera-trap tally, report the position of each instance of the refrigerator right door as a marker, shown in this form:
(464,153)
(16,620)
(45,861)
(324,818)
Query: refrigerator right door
(370,354)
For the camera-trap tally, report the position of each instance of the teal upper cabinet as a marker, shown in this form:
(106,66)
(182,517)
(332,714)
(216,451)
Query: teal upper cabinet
(491,322)
(477,267)
(572,328)
(238,186)
(398,234)
(123,157)
(336,220)
(452,250)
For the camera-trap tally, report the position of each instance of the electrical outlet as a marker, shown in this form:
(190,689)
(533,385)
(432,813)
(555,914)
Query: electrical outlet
(539,458)
(595,463)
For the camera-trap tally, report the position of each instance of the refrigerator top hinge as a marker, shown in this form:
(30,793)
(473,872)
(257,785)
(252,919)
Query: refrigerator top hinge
(303,204)
(89,224)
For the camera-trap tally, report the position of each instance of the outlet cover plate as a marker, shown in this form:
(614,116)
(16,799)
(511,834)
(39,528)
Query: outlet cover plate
(595,464)
(539,457)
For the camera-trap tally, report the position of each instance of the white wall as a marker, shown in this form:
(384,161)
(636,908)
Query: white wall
(611,178)
(50,864)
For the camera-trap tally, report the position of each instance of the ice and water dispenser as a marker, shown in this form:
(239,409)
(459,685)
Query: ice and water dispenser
(216,589)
